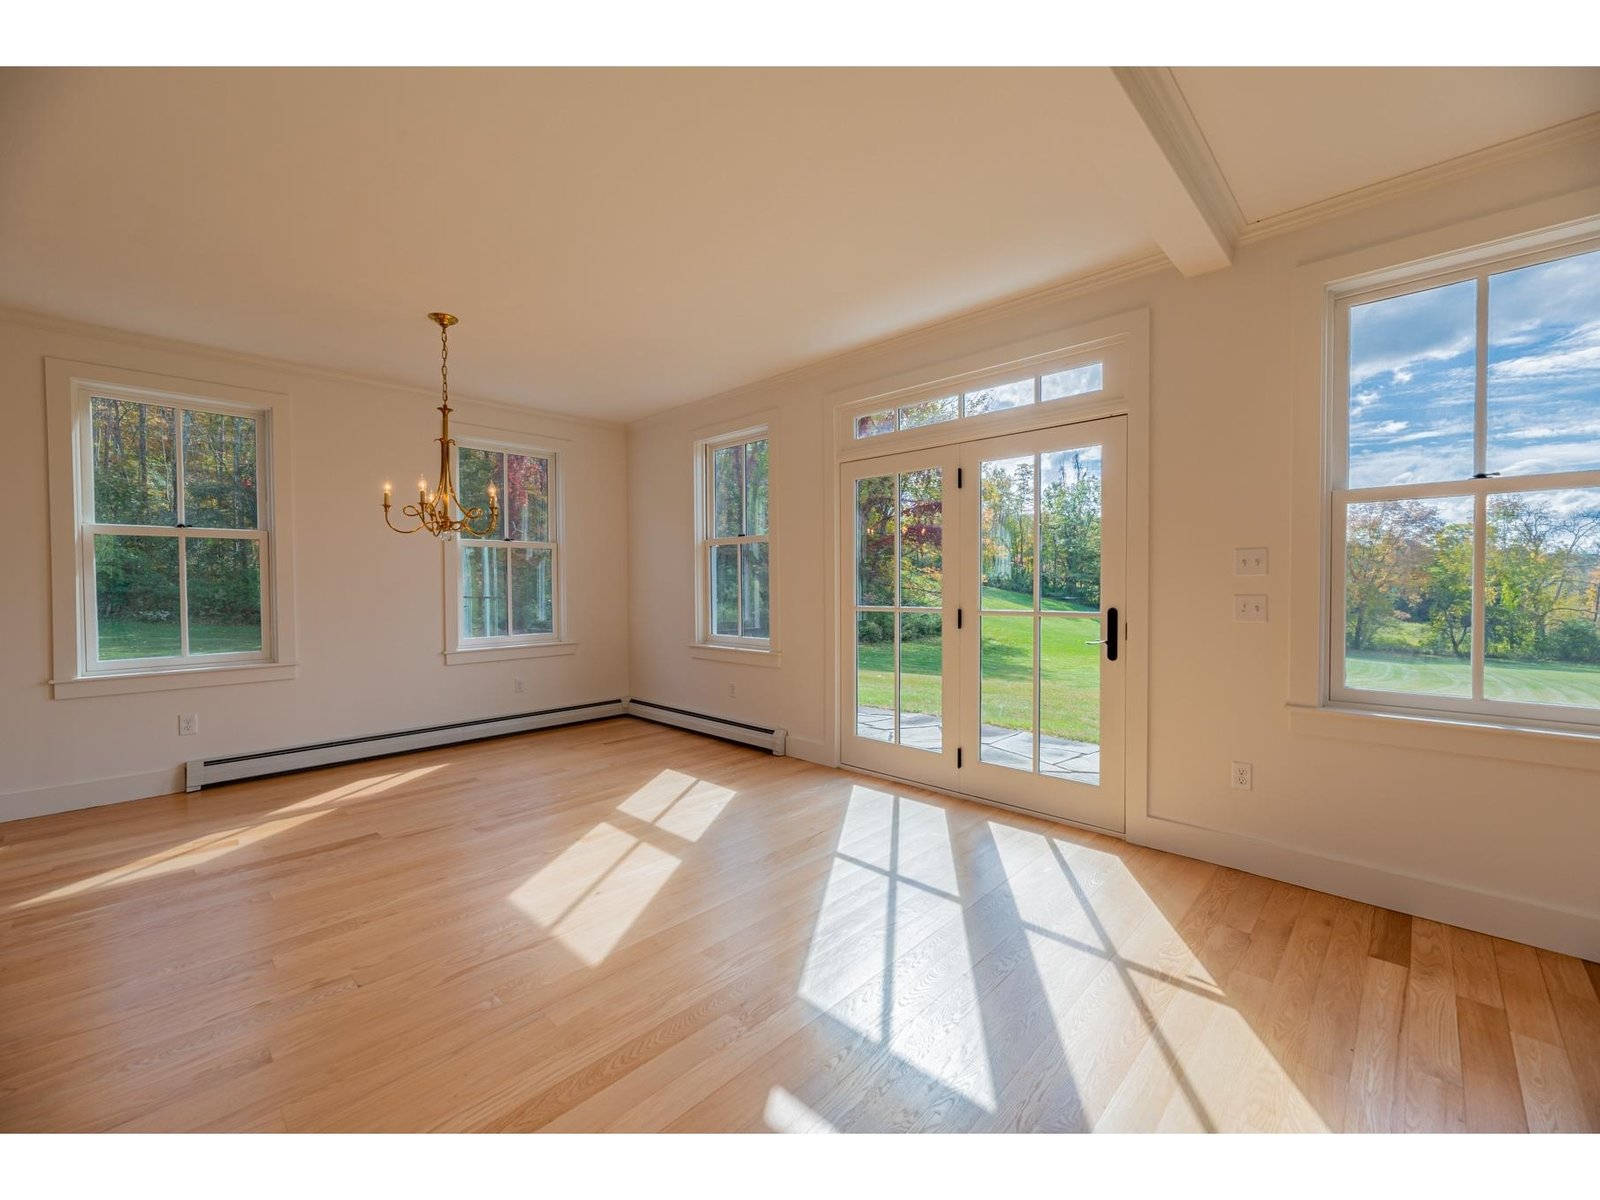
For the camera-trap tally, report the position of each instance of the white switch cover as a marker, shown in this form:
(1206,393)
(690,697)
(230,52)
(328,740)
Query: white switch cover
(1250,561)
(1249,608)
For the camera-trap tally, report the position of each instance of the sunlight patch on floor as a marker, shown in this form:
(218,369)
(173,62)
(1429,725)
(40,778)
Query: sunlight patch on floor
(787,1113)
(361,789)
(692,813)
(593,892)
(199,851)
(1116,974)
(892,886)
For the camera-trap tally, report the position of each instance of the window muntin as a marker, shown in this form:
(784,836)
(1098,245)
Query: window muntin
(735,557)
(1466,527)
(507,579)
(175,548)
(999,396)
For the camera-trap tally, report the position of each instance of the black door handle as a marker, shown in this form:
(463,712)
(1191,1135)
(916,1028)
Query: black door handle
(1110,639)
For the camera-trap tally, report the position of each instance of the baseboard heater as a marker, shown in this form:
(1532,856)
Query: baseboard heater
(202,772)
(733,731)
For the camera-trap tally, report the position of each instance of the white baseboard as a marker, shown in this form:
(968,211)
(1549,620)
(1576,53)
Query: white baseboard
(811,750)
(1567,931)
(298,758)
(774,740)
(94,793)
(91,793)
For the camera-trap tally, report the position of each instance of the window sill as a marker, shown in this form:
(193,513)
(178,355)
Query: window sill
(737,655)
(487,654)
(1485,738)
(168,681)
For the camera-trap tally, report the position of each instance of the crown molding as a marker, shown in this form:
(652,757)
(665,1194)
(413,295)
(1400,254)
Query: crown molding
(51,323)
(1161,104)
(1557,137)
(971,318)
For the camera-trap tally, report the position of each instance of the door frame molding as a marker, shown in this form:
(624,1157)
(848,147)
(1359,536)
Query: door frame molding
(1124,337)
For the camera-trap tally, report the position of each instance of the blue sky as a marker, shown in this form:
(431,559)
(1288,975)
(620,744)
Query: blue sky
(1412,365)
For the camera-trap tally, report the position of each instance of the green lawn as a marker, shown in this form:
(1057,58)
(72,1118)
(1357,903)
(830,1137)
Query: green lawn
(1071,670)
(149,639)
(1525,683)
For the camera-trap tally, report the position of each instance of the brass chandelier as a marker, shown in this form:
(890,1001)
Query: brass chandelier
(432,511)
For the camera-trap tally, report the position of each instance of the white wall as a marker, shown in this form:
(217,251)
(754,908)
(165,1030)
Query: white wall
(1505,846)
(369,603)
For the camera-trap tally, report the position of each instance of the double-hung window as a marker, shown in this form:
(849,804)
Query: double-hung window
(735,551)
(1465,507)
(507,579)
(174,538)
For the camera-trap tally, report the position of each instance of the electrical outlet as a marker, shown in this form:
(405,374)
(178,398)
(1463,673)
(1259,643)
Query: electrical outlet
(1241,776)
(1249,608)
(516,686)
(1250,561)
(188,723)
(733,691)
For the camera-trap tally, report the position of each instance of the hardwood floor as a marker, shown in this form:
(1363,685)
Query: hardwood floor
(624,927)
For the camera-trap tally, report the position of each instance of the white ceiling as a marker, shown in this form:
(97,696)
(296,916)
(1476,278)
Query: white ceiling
(1288,137)
(617,242)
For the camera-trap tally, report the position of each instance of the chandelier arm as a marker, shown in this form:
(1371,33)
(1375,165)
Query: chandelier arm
(409,510)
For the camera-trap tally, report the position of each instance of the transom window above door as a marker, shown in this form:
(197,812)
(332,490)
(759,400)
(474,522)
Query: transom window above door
(978,398)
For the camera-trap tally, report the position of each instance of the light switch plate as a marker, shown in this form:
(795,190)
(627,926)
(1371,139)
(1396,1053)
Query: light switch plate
(1252,560)
(1249,608)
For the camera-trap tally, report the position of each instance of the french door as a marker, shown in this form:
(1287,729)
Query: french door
(982,623)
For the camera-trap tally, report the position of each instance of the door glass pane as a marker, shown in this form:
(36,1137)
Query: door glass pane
(727,492)
(753,583)
(1069,530)
(755,488)
(1544,367)
(725,591)
(135,463)
(875,676)
(930,412)
(998,397)
(1069,699)
(1006,526)
(136,596)
(921,680)
(475,471)
(921,537)
(527,498)
(1413,375)
(1541,620)
(875,520)
(532,586)
(219,472)
(483,591)
(224,595)
(1408,596)
(1006,690)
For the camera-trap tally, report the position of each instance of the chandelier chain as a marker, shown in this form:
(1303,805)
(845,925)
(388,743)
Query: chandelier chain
(444,362)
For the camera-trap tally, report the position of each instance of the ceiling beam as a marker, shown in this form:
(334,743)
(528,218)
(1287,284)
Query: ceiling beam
(1166,171)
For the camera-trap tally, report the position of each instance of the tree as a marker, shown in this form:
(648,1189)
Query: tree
(1387,545)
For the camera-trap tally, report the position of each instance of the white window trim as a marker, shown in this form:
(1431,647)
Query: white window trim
(461,651)
(75,672)
(722,648)
(1527,733)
